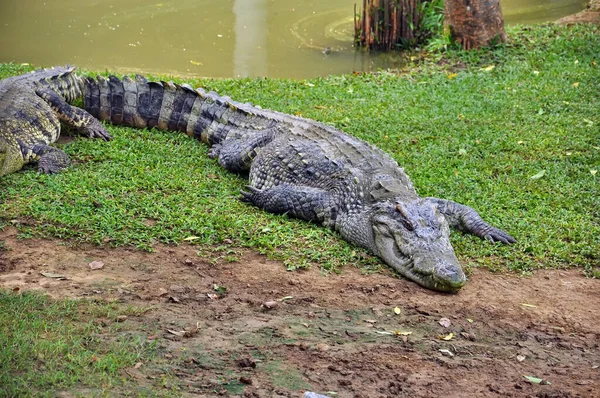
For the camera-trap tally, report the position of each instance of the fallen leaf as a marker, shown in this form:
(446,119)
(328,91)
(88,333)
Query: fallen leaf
(488,68)
(96,265)
(382,332)
(528,305)
(179,333)
(286,298)
(196,63)
(447,337)
(53,275)
(538,175)
(536,380)
(445,322)
(469,320)
(536,72)
(121,318)
(174,299)
(447,352)
(452,75)
(521,358)
(191,238)
(462,152)
(397,310)
(576,84)
(593,172)
(370,321)
(306,325)
(137,365)
(399,333)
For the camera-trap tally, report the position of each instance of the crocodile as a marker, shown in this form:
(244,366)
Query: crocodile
(32,107)
(308,170)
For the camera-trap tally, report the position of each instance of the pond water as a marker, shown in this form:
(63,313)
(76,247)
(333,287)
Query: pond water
(227,38)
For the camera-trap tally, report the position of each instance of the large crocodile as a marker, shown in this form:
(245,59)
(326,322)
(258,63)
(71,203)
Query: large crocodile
(308,170)
(31,109)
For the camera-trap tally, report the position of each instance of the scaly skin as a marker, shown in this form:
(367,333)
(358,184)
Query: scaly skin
(31,109)
(308,170)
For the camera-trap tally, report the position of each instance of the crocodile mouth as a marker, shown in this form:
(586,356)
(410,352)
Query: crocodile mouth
(437,271)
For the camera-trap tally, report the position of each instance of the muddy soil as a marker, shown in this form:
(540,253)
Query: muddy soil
(590,15)
(255,330)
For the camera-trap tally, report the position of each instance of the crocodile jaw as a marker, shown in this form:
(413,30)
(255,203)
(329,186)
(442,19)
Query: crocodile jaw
(437,268)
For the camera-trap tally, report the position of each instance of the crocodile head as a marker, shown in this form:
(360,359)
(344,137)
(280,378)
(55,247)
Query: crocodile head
(414,239)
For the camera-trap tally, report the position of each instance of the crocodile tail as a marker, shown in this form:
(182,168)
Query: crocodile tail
(175,107)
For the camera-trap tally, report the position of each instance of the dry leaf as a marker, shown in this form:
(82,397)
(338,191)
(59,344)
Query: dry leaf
(593,172)
(576,84)
(447,337)
(447,352)
(53,275)
(488,68)
(399,333)
(521,358)
(528,305)
(445,322)
(452,75)
(538,175)
(536,380)
(191,238)
(96,265)
(397,310)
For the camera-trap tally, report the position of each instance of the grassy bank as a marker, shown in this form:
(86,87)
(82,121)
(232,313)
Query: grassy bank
(512,132)
(49,345)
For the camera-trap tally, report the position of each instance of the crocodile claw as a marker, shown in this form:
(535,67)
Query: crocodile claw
(498,235)
(248,197)
(97,130)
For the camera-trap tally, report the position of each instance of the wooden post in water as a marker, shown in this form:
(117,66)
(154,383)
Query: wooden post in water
(384,24)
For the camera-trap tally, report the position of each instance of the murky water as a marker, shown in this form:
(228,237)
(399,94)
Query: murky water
(207,38)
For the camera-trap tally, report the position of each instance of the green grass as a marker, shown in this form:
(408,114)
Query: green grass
(51,345)
(461,132)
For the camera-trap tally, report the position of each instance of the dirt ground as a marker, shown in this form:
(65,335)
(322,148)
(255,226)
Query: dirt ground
(253,329)
(590,15)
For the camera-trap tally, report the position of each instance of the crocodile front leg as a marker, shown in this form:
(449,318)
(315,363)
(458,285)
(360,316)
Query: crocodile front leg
(306,203)
(468,220)
(51,160)
(72,116)
(238,150)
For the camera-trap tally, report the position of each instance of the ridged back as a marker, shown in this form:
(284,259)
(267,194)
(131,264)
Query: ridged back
(63,80)
(211,118)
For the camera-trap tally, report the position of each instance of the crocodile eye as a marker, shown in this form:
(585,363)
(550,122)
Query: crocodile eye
(407,224)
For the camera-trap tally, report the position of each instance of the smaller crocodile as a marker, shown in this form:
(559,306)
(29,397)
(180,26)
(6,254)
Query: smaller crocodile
(32,107)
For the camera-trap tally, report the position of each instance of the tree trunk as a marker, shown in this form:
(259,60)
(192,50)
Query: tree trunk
(474,23)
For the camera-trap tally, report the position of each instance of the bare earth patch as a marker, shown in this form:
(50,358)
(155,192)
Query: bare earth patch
(328,333)
(590,15)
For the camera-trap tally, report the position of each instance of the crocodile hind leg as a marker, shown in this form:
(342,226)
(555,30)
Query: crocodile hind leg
(306,203)
(51,160)
(72,116)
(468,220)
